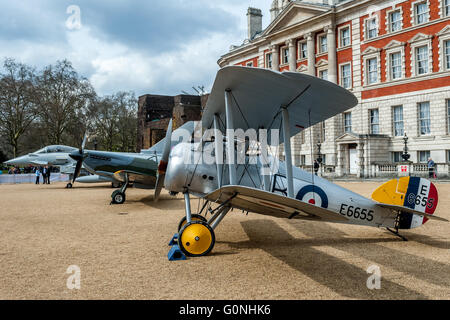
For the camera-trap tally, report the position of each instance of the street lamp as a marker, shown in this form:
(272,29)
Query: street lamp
(405,154)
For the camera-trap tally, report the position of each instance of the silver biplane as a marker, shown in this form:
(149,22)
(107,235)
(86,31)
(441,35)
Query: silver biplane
(259,99)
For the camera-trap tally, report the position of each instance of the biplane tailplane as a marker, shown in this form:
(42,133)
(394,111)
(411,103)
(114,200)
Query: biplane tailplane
(412,193)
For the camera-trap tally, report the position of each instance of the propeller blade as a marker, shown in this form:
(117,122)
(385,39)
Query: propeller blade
(77,169)
(162,167)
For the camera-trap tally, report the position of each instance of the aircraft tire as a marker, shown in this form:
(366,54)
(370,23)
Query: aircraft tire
(196,239)
(69,186)
(118,197)
(194,217)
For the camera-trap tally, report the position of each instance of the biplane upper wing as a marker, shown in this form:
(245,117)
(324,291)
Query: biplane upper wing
(259,95)
(395,208)
(135,177)
(267,203)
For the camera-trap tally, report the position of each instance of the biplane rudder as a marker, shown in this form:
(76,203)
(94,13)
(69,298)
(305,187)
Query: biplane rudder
(410,192)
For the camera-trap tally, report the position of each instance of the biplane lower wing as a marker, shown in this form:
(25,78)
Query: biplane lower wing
(396,209)
(266,203)
(135,177)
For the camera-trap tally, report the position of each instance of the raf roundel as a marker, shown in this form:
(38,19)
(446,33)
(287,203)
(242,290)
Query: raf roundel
(313,195)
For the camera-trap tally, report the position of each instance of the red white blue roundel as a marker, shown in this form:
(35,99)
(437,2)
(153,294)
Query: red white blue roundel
(313,195)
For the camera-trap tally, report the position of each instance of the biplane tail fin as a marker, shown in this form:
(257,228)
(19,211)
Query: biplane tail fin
(412,193)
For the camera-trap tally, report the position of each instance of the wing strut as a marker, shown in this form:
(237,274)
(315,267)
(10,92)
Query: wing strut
(219,147)
(230,137)
(287,149)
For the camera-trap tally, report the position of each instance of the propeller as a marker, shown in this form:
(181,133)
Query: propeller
(78,156)
(162,167)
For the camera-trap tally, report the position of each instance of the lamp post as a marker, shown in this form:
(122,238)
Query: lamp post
(319,156)
(406,156)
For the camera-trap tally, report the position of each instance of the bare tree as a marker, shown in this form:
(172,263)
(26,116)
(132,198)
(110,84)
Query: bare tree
(63,97)
(17,101)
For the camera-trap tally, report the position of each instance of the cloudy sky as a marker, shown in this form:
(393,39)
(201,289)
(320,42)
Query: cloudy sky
(147,46)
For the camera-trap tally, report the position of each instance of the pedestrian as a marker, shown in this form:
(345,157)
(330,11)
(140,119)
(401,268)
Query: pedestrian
(431,166)
(48,174)
(38,174)
(316,167)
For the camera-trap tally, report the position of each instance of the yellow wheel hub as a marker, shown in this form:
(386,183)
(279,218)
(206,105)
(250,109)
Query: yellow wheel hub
(197,238)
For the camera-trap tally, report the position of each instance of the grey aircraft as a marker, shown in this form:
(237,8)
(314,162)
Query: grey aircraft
(139,169)
(259,99)
(58,156)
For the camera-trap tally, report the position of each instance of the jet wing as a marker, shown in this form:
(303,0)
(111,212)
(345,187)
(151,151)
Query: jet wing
(395,208)
(260,93)
(39,163)
(266,203)
(135,177)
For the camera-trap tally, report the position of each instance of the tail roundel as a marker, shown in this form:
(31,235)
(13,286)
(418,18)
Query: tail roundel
(411,192)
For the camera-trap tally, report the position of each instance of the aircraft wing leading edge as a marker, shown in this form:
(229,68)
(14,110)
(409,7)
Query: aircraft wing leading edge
(267,203)
(260,93)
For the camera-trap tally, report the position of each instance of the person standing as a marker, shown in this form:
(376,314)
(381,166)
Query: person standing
(38,174)
(431,166)
(316,167)
(48,174)
(44,174)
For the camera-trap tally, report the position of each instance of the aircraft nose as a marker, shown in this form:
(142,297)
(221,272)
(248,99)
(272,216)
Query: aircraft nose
(76,155)
(17,161)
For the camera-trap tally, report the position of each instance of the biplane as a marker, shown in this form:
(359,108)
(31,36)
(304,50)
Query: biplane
(250,98)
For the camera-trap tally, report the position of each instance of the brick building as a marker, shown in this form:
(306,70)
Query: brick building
(155,111)
(394,55)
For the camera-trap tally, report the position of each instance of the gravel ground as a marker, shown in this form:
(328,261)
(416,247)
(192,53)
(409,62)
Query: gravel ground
(122,251)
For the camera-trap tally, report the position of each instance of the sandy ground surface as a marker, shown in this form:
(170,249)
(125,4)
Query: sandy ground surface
(122,251)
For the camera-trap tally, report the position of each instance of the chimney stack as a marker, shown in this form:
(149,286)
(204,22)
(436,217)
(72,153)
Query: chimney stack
(254,18)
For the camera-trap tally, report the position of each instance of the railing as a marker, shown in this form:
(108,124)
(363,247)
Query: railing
(420,168)
(390,168)
(30,178)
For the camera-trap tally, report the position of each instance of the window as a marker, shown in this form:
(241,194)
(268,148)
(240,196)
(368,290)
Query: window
(396,65)
(323,44)
(447,54)
(346,76)
(421,12)
(372,28)
(422,59)
(345,37)
(372,71)
(303,50)
(269,60)
(397,157)
(398,121)
(348,122)
(424,118)
(447,8)
(303,160)
(285,55)
(323,131)
(448,116)
(424,156)
(323,74)
(250,64)
(395,21)
(374,121)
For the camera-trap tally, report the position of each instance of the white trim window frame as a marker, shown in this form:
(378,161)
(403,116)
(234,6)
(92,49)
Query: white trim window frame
(268,60)
(284,52)
(374,121)
(322,43)
(371,28)
(423,156)
(323,73)
(447,103)
(345,76)
(444,49)
(420,12)
(397,24)
(398,122)
(322,68)
(418,43)
(424,117)
(302,50)
(347,122)
(345,40)
(395,47)
(369,72)
(445,8)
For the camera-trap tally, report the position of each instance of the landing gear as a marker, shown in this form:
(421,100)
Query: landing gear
(69,186)
(196,239)
(118,196)
(396,233)
(194,217)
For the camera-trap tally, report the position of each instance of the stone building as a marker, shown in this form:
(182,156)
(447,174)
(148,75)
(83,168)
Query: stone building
(155,112)
(394,55)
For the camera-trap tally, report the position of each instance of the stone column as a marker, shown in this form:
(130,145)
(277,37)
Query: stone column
(292,55)
(332,57)
(311,43)
(275,57)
